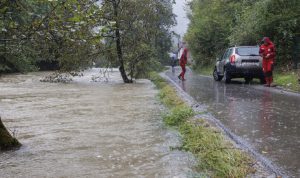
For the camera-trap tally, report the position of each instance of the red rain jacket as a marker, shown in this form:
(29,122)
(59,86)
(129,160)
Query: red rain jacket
(267,51)
(183,58)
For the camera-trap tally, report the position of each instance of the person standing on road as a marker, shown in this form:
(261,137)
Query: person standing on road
(183,53)
(267,52)
(173,61)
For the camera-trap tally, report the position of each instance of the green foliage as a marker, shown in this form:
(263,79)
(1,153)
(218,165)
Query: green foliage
(209,29)
(75,34)
(178,115)
(145,37)
(34,31)
(157,80)
(216,155)
(277,19)
(216,25)
(288,80)
(204,70)
(167,94)
(169,97)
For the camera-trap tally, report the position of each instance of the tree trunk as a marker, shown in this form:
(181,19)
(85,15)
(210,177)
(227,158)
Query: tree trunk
(118,43)
(7,141)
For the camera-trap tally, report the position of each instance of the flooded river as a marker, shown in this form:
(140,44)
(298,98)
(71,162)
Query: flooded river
(266,118)
(87,129)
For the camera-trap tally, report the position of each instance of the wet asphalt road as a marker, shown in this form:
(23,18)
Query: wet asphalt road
(267,118)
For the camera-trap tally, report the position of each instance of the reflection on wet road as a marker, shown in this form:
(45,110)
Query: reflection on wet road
(87,129)
(267,119)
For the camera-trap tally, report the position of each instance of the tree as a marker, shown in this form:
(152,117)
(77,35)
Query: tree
(277,19)
(65,33)
(209,29)
(216,25)
(59,31)
(138,35)
(6,140)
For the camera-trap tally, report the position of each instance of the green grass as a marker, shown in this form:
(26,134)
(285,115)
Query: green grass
(169,97)
(288,80)
(178,115)
(217,157)
(204,70)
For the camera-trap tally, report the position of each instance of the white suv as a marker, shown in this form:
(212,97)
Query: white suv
(239,62)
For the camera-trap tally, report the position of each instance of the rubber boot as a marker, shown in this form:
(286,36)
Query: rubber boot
(267,82)
(271,82)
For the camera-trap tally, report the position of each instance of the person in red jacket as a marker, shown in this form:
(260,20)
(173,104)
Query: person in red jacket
(183,53)
(267,52)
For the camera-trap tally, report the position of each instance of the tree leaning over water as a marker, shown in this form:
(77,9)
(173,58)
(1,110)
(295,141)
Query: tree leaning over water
(134,35)
(7,141)
(33,32)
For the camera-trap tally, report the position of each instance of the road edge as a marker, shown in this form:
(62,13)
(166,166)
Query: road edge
(262,162)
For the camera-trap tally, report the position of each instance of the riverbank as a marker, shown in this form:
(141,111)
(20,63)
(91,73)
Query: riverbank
(89,127)
(287,80)
(217,155)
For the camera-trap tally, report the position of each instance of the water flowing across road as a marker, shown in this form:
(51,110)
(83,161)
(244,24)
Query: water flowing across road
(87,129)
(267,118)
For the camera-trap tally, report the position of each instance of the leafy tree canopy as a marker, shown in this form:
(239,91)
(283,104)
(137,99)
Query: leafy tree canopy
(133,34)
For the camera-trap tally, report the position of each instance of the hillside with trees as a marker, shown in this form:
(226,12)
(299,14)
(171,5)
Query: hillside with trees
(217,24)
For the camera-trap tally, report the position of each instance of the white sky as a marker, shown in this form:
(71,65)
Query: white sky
(182,20)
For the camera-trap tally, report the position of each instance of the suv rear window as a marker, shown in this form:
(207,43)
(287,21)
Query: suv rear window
(248,51)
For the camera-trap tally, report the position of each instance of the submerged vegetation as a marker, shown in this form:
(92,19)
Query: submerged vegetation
(217,157)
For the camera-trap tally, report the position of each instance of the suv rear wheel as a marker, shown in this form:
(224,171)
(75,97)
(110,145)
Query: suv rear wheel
(227,76)
(217,77)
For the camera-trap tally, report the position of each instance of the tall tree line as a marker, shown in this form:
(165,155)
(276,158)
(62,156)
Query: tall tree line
(218,24)
(130,34)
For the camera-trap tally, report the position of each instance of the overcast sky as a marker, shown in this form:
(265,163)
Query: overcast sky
(182,20)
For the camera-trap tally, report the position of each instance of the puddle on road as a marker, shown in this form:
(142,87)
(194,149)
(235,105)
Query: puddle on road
(269,121)
(87,129)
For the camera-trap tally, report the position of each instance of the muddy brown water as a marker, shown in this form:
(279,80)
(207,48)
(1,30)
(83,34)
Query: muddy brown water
(268,119)
(87,129)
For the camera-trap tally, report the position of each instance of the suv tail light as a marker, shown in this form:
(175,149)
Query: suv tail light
(232,59)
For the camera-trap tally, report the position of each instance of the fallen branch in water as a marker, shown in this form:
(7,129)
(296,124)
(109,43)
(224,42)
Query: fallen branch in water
(58,77)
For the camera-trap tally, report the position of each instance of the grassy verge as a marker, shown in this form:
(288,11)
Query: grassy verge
(217,157)
(204,70)
(288,80)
